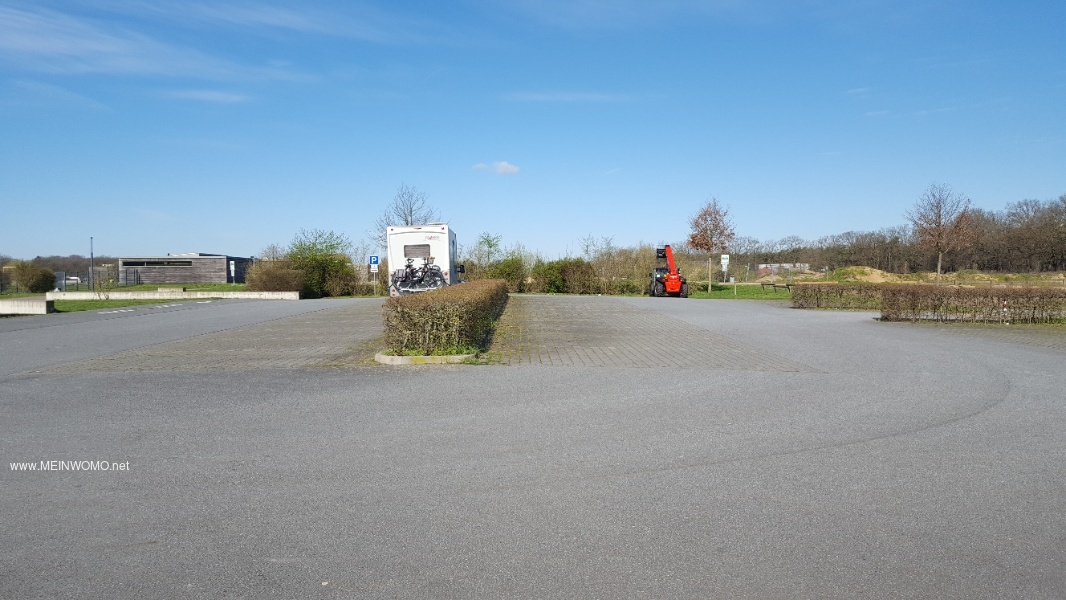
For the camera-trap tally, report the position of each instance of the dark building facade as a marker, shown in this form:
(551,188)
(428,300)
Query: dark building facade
(194,267)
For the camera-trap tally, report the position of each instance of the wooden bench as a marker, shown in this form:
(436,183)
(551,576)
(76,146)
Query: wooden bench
(777,286)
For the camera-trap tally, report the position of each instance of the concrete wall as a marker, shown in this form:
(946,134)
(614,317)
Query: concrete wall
(173,295)
(26,306)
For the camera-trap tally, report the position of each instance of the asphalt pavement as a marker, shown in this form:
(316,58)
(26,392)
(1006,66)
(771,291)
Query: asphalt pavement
(614,447)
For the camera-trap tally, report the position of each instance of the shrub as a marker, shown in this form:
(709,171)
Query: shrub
(564,276)
(322,257)
(273,276)
(340,283)
(41,281)
(33,278)
(546,278)
(449,320)
(325,276)
(365,288)
(578,276)
(512,270)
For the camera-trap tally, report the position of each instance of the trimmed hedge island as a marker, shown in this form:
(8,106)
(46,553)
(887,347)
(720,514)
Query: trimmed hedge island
(457,319)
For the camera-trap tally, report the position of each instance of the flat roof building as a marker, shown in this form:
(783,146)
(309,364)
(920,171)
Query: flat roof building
(192,267)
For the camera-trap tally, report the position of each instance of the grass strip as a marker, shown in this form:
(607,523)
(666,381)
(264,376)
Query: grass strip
(724,291)
(66,306)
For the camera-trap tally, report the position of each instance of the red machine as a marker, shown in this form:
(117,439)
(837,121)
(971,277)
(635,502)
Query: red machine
(667,281)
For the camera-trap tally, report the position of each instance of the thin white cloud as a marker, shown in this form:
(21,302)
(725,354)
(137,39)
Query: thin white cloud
(933,111)
(346,20)
(48,41)
(500,168)
(209,96)
(567,97)
(504,168)
(614,14)
(37,94)
(598,15)
(207,144)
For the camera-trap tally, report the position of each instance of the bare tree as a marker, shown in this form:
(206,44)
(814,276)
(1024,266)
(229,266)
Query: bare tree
(942,222)
(481,256)
(486,248)
(602,254)
(712,229)
(273,252)
(410,206)
(712,232)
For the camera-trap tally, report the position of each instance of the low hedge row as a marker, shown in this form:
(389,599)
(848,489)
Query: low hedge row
(922,302)
(832,295)
(974,305)
(452,320)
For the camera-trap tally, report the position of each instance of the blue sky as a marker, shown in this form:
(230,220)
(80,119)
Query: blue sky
(214,126)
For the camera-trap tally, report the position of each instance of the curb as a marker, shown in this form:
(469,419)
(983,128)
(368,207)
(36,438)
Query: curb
(172,295)
(421,360)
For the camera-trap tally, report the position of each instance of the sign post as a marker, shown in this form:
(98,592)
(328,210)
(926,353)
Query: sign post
(374,272)
(725,266)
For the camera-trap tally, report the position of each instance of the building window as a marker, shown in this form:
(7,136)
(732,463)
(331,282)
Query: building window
(157,263)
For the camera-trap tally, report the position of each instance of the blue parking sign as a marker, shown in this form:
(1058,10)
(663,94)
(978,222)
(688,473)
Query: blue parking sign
(373,260)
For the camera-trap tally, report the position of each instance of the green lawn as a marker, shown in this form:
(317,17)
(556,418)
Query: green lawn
(743,292)
(83,305)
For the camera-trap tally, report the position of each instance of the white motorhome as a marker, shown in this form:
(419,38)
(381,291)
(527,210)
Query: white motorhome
(415,254)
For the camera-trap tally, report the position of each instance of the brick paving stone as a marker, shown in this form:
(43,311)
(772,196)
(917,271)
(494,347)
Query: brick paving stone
(593,331)
(331,337)
(1043,336)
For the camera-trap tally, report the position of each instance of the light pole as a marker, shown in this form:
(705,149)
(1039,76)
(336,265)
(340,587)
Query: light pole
(92,266)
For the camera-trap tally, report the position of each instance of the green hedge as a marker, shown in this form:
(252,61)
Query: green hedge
(926,302)
(865,296)
(974,305)
(451,320)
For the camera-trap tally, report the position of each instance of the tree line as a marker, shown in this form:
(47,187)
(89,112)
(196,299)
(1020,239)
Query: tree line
(943,233)
(1028,236)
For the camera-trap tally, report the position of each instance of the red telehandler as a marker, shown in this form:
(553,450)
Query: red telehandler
(667,281)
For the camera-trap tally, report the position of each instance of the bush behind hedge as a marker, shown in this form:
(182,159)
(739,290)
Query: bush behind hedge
(273,276)
(33,278)
(450,320)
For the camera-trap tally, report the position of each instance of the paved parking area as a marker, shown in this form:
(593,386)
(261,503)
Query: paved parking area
(800,454)
(552,331)
(592,331)
(1043,336)
(340,336)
